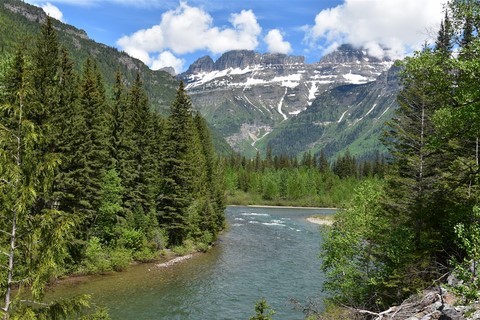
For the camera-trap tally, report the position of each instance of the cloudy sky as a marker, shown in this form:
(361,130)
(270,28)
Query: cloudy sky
(175,33)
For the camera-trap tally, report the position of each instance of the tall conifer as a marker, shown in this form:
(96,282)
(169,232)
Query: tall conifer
(179,180)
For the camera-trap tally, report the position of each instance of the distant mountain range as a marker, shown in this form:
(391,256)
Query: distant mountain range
(251,100)
(259,100)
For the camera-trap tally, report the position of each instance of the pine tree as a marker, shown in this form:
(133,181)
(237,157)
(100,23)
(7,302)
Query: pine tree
(142,134)
(213,179)
(179,169)
(92,152)
(33,242)
(123,143)
(445,36)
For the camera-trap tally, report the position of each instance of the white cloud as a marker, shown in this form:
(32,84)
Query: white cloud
(52,11)
(187,29)
(167,59)
(133,3)
(275,42)
(399,25)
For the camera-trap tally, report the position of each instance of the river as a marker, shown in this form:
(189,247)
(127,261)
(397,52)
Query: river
(267,252)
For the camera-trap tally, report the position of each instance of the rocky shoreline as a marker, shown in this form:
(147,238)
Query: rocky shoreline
(437,303)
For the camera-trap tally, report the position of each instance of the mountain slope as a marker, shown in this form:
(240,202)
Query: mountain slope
(254,99)
(24,20)
(348,116)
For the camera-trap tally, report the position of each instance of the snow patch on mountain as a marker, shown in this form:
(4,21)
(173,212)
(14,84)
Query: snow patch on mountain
(341,118)
(279,107)
(356,78)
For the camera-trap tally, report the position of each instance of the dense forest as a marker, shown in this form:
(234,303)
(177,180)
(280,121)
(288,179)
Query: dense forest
(310,181)
(421,223)
(91,181)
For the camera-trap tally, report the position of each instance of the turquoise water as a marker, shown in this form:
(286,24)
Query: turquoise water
(267,252)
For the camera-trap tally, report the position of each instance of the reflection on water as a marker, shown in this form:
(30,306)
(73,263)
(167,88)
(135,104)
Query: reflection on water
(267,252)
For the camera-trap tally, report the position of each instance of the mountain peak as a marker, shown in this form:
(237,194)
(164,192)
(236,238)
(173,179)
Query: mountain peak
(242,59)
(348,53)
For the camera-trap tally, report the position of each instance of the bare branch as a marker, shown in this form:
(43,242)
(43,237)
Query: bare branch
(5,232)
(35,302)
(6,181)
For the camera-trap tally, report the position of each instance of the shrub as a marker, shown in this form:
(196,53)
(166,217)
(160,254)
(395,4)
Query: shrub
(120,258)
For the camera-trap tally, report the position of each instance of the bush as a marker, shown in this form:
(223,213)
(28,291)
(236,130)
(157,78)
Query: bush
(131,239)
(120,258)
(96,257)
(145,255)
(187,248)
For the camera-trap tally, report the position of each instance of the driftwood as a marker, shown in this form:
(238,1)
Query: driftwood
(429,305)
(174,261)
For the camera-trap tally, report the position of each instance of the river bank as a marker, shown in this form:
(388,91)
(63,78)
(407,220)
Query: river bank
(249,261)
(326,220)
(283,207)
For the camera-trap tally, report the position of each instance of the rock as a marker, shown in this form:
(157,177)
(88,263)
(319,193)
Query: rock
(451,314)
(204,64)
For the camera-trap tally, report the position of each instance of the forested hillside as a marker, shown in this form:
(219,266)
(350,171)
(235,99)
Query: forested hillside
(24,21)
(89,180)
(421,225)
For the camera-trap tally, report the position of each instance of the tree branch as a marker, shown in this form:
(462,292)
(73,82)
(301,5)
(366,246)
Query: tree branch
(6,181)
(35,302)
(5,232)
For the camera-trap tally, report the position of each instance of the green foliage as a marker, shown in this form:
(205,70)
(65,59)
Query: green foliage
(75,308)
(424,218)
(96,257)
(466,271)
(299,186)
(120,258)
(262,311)
(185,248)
(351,248)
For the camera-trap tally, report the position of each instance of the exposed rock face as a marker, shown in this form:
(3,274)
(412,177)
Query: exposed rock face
(168,70)
(244,90)
(204,64)
(35,14)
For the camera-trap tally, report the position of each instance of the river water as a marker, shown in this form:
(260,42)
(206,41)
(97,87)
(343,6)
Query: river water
(267,252)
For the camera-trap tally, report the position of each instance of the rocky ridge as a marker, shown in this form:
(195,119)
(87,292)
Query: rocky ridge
(247,95)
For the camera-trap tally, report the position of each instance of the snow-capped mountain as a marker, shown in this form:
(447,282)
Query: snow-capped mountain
(247,95)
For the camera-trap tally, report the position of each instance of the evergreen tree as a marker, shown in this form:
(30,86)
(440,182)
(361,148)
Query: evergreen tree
(32,242)
(142,133)
(445,34)
(91,157)
(213,180)
(179,169)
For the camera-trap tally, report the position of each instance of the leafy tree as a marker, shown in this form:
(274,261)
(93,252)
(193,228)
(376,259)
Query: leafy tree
(352,249)
(468,237)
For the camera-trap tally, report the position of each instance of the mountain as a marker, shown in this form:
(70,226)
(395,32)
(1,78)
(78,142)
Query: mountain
(255,99)
(23,21)
(350,116)
(251,100)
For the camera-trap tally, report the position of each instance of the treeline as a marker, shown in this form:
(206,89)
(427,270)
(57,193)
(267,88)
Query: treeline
(422,223)
(90,182)
(286,180)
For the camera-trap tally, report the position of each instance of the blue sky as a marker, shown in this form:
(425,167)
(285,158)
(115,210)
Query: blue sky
(175,33)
